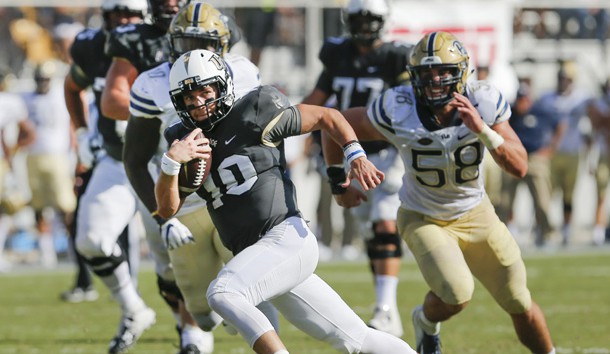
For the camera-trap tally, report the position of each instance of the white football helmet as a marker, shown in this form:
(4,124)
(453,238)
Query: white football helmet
(365,19)
(194,70)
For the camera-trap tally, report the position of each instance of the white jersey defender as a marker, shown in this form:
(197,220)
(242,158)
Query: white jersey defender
(444,162)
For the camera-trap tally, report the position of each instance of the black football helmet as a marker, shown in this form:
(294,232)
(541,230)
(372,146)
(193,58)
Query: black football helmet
(163,11)
(364,20)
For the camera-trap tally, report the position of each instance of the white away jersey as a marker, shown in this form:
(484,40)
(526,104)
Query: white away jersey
(150,99)
(442,175)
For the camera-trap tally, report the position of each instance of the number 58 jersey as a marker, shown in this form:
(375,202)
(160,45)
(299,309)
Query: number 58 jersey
(442,175)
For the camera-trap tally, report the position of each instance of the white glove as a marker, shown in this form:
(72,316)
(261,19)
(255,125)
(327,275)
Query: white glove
(175,234)
(86,157)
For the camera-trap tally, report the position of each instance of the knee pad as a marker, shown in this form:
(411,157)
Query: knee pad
(377,247)
(567,207)
(169,291)
(104,266)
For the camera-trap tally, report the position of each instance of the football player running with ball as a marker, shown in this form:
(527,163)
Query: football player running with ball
(441,126)
(195,250)
(356,69)
(252,203)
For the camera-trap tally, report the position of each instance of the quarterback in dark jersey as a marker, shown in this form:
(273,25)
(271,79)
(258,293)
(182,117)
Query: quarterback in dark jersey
(254,208)
(104,212)
(357,68)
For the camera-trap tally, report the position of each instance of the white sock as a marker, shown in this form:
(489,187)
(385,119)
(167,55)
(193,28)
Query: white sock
(385,290)
(432,328)
(178,318)
(190,333)
(48,257)
(122,289)
(283,351)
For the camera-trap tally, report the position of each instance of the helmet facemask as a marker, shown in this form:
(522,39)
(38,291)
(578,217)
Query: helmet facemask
(365,27)
(163,12)
(437,92)
(198,26)
(438,65)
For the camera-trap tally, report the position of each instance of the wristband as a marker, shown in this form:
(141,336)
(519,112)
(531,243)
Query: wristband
(158,219)
(169,166)
(490,138)
(336,177)
(352,151)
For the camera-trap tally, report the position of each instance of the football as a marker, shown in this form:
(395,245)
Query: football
(193,174)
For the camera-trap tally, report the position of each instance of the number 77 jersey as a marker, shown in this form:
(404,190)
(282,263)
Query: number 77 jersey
(442,175)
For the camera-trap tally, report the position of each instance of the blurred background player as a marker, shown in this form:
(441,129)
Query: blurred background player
(445,217)
(195,265)
(108,204)
(357,68)
(49,161)
(598,110)
(135,49)
(13,112)
(540,131)
(571,104)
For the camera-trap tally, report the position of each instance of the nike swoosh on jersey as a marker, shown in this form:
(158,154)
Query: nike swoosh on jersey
(460,137)
(228,141)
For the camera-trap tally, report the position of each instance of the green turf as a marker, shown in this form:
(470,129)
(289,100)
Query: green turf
(572,289)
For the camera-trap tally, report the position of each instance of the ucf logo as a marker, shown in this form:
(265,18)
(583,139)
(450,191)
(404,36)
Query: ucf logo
(213,142)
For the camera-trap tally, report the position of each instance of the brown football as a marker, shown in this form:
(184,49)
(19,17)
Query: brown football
(193,174)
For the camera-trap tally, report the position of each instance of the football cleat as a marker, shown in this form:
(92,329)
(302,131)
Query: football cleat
(130,329)
(76,295)
(424,342)
(194,340)
(387,319)
(190,349)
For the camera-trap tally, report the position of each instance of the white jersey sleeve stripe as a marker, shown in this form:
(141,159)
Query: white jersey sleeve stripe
(503,107)
(379,115)
(143,107)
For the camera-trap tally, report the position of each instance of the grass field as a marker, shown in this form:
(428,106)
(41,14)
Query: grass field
(573,290)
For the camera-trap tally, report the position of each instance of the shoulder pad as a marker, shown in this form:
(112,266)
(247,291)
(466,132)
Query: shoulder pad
(331,49)
(489,101)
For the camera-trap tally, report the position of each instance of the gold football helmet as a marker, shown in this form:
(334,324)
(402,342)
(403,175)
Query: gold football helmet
(445,53)
(198,25)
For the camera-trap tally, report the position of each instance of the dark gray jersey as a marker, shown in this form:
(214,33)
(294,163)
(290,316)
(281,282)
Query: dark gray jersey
(248,191)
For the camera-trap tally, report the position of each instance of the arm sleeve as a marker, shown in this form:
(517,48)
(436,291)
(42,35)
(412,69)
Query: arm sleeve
(285,124)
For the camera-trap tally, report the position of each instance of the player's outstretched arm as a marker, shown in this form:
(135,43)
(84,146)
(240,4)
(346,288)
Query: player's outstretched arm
(333,123)
(115,97)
